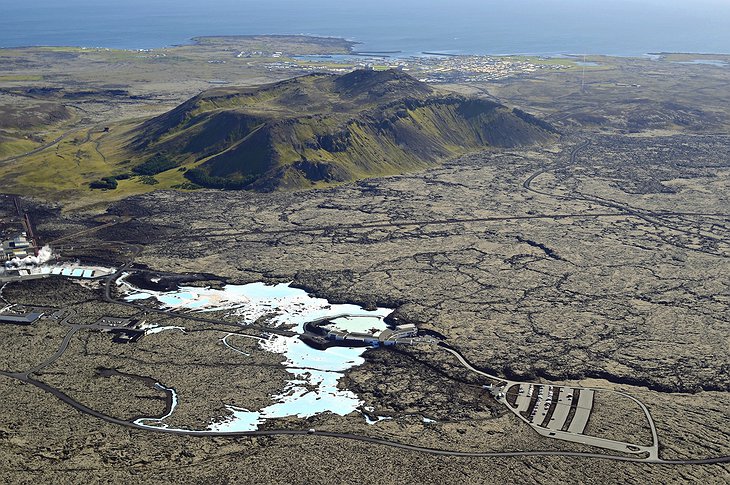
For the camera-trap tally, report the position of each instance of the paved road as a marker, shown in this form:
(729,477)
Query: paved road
(37,150)
(654,454)
(573,154)
(91,412)
(55,142)
(466,364)
(25,377)
(119,220)
(574,433)
(652,450)
(652,217)
(61,349)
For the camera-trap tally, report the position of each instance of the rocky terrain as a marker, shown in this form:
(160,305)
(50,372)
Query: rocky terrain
(404,386)
(599,259)
(571,277)
(549,264)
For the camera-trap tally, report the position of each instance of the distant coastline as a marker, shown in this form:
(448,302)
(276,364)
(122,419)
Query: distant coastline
(528,27)
(349,46)
(428,53)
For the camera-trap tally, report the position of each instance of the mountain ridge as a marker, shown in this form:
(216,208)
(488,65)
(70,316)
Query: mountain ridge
(324,128)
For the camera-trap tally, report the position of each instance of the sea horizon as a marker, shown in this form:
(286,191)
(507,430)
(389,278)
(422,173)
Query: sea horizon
(627,28)
(378,53)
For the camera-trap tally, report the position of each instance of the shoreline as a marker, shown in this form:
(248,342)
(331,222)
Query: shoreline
(350,45)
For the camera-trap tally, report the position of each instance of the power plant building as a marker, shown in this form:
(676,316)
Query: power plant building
(18,247)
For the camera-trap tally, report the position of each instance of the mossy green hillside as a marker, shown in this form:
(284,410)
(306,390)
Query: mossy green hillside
(324,128)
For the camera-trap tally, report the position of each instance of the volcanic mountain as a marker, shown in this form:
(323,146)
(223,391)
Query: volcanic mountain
(323,128)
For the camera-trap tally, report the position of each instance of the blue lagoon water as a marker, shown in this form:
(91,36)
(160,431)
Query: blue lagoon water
(313,388)
(548,27)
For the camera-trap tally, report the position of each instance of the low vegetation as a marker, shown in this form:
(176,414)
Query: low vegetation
(158,163)
(149,180)
(106,183)
(324,128)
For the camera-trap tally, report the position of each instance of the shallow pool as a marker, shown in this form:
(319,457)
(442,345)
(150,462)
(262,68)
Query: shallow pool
(312,389)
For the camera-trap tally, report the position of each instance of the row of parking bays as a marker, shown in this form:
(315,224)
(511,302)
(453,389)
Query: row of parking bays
(561,412)
(564,396)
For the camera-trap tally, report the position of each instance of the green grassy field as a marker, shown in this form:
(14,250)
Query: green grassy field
(11,147)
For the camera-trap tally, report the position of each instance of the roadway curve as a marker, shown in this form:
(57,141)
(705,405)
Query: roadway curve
(573,155)
(329,434)
(56,141)
(25,378)
(647,414)
(652,217)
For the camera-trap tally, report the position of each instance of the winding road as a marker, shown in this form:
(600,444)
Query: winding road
(37,150)
(26,378)
(23,377)
(620,210)
(652,217)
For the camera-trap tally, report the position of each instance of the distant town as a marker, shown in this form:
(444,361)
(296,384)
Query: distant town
(430,67)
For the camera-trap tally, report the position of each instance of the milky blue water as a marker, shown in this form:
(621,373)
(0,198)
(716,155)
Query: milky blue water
(617,27)
(313,388)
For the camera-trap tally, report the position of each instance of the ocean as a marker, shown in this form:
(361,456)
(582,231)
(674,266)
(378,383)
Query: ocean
(545,27)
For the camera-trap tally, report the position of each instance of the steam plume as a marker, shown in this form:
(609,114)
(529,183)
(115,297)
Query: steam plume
(44,255)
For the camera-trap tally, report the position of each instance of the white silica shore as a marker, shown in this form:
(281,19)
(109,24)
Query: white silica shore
(315,373)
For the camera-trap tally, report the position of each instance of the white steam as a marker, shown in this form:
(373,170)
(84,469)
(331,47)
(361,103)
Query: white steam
(45,254)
